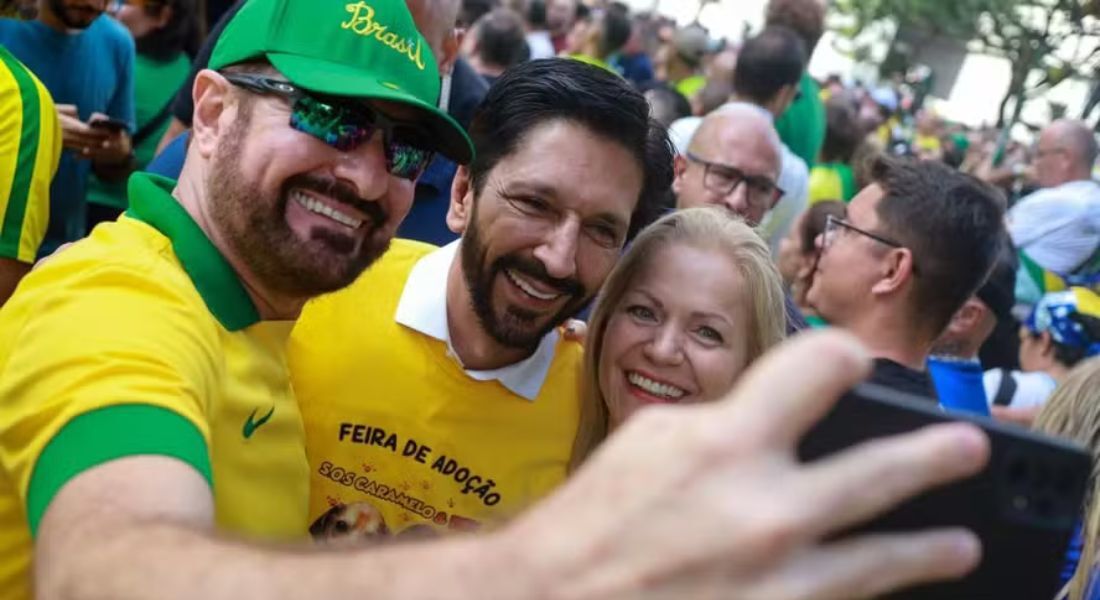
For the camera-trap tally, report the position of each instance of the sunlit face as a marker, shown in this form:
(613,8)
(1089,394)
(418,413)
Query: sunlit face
(548,225)
(77,14)
(1052,160)
(680,333)
(736,146)
(849,264)
(304,217)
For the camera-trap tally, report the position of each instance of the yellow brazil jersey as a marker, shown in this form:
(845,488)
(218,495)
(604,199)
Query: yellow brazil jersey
(141,340)
(30,146)
(401,439)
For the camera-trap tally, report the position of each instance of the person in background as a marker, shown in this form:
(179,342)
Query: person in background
(1057,228)
(1073,414)
(165,36)
(561,15)
(471,12)
(86,61)
(714,94)
(927,144)
(30,147)
(693,302)
(833,177)
(598,36)
(666,105)
(915,245)
(496,43)
(1062,330)
(769,67)
(679,61)
(633,61)
(799,252)
(954,363)
(538,36)
(802,126)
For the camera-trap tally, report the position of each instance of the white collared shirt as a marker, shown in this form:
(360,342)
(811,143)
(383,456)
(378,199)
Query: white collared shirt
(423,308)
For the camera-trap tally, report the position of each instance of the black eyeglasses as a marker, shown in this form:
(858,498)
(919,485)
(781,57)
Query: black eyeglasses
(345,125)
(762,193)
(833,225)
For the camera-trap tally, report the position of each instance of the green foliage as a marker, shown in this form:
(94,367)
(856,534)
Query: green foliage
(1031,34)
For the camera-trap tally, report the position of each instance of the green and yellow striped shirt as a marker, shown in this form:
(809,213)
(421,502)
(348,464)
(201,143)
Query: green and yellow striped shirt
(30,146)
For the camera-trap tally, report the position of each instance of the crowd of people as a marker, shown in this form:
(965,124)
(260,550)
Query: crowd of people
(529,284)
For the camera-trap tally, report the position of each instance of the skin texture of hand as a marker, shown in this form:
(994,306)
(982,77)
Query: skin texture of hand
(97,144)
(709,501)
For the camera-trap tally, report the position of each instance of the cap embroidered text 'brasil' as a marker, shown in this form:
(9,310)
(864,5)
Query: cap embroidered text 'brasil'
(362,49)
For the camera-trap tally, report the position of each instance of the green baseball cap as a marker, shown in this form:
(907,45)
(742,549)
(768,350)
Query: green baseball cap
(363,49)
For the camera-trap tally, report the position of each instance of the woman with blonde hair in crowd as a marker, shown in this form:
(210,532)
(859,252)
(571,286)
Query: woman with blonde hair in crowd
(1073,413)
(694,301)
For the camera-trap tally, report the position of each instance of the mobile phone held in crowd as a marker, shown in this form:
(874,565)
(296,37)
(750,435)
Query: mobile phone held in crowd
(109,124)
(1024,506)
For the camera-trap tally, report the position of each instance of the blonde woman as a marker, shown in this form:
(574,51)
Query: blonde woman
(694,301)
(1073,412)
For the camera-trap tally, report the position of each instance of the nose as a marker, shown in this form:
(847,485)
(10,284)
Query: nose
(737,201)
(666,346)
(558,251)
(365,168)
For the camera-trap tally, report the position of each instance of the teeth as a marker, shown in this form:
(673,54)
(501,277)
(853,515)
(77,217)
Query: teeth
(314,206)
(523,285)
(657,389)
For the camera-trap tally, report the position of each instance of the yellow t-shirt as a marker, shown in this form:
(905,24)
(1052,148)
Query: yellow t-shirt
(141,340)
(400,438)
(30,146)
(689,86)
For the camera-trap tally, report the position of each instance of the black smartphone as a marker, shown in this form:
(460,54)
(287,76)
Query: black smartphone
(1025,505)
(109,123)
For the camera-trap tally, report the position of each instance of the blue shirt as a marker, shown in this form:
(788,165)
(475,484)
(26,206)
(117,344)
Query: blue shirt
(93,69)
(959,384)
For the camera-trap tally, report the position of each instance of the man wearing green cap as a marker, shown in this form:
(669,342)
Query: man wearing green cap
(157,344)
(147,430)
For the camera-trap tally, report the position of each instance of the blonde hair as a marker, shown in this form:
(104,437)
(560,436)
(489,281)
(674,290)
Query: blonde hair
(710,229)
(1073,412)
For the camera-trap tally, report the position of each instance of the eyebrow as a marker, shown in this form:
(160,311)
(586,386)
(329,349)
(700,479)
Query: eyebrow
(540,189)
(694,315)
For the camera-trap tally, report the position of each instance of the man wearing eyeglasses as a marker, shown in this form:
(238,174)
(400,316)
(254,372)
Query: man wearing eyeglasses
(916,244)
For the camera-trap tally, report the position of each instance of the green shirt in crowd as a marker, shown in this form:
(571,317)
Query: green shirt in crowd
(155,85)
(802,127)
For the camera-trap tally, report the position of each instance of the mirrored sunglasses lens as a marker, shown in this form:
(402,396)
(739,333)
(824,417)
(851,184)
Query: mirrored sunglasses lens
(336,126)
(406,160)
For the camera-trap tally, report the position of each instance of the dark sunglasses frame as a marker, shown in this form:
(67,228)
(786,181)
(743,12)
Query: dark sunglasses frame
(833,222)
(401,140)
(738,176)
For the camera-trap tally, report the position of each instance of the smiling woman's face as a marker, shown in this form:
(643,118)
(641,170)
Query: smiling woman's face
(680,333)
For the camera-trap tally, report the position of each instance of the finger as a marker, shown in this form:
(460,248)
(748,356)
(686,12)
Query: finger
(576,330)
(873,565)
(68,110)
(791,388)
(861,482)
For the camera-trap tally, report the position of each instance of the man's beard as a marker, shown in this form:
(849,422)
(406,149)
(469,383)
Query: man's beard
(512,327)
(256,229)
(74,17)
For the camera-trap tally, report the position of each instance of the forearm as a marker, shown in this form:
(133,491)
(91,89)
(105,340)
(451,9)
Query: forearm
(11,272)
(173,562)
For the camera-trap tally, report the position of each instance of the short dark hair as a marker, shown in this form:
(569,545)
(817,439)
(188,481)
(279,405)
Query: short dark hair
(541,91)
(472,11)
(179,34)
(843,132)
(768,62)
(616,29)
(536,14)
(501,39)
(666,105)
(813,224)
(805,17)
(951,222)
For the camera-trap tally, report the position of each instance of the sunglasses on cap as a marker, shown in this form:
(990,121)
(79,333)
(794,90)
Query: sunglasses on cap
(345,125)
